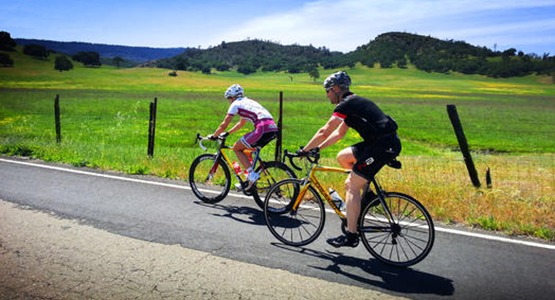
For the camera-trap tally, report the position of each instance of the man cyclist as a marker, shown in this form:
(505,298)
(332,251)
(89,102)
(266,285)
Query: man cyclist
(379,146)
(265,129)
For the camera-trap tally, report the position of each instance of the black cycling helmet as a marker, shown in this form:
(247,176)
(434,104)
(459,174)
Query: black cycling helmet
(338,78)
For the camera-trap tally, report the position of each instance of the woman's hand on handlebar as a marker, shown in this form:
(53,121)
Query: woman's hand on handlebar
(221,136)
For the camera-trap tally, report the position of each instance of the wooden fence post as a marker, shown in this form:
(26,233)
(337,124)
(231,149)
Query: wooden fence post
(489,183)
(57,119)
(280,128)
(152,127)
(456,122)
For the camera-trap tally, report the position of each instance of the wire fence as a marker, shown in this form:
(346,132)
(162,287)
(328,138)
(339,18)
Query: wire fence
(136,125)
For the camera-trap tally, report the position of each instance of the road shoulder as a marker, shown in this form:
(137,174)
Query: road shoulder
(43,256)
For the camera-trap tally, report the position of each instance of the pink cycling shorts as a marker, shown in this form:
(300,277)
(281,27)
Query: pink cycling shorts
(263,133)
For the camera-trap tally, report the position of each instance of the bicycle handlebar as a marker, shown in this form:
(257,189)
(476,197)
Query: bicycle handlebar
(201,138)
(313,156)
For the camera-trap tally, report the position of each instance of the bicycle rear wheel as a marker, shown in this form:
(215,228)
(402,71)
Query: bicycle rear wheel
(270,173)
(403,241)
(299,226)
(210,180)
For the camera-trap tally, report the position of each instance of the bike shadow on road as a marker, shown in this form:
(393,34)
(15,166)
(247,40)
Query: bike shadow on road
(243,214)
(396,279)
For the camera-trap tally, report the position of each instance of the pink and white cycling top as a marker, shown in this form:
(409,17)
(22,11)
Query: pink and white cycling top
(251,110)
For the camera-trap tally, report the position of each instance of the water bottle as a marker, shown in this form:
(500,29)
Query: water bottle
(337,200)
(236,167)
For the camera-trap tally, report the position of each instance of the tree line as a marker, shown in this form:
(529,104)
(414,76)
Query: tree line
(134,55)
(394,49)
(62,61)
(434,55)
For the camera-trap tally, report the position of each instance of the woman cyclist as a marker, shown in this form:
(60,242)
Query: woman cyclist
(265,129)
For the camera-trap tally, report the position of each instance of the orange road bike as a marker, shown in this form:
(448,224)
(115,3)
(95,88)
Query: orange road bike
(210,175)
(394,227)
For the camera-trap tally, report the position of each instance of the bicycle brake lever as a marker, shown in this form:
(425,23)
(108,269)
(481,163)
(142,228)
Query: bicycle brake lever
(294,165)
(199,140)
(291,162)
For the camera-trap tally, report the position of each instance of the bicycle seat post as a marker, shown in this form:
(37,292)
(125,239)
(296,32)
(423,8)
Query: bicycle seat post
(256,157)
(377,186)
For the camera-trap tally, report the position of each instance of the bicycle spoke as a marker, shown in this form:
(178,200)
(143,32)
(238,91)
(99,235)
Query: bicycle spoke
(209,180)
(293,227)
(270,173)
(403,241)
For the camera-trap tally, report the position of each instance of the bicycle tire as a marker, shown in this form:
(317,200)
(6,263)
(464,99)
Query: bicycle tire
(406,241)
(270,173)
(297,227)
(209,187)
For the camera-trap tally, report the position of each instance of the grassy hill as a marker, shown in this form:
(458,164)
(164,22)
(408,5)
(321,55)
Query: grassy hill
(392,49)
(508,123)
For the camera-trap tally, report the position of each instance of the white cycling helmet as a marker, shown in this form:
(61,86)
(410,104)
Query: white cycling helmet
(234,91)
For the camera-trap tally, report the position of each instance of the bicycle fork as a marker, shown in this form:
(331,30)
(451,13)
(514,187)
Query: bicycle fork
(214,167)
(297,202)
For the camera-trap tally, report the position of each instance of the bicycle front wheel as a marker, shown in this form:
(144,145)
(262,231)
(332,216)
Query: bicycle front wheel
(210,180)
(294,226)
(402,241)
(270,173)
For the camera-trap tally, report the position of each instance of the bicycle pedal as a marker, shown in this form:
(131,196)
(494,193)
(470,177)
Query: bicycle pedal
(249,186)
(244,187)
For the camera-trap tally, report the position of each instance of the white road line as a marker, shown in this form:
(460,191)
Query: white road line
(94,174)
(441,229)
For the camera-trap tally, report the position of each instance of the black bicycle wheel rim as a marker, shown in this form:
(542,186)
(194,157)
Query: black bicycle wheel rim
(270,174)
(405,243)
(207,184)
(297,227)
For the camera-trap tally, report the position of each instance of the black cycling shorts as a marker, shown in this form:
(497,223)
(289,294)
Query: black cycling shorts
(372,156)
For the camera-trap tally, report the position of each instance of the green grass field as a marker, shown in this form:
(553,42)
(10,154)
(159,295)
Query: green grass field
(509,124)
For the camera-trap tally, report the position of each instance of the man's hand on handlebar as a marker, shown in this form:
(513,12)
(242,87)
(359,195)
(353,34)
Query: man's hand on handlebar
(313,156)
(301,153)
(312,152)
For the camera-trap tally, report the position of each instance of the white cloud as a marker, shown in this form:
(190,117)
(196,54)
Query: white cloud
(340,25)
(343,25)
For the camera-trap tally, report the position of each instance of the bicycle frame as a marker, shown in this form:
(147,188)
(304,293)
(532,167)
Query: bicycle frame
(311,179)
(221,153)
(380,193)
(394,227)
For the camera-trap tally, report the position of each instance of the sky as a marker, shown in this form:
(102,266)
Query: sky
(340,25)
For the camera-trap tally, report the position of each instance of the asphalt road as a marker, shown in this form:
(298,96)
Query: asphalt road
(462,264)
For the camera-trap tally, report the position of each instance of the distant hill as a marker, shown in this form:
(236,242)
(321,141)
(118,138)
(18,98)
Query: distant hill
(388,50)
(393,49)
(252,55)
(135,54)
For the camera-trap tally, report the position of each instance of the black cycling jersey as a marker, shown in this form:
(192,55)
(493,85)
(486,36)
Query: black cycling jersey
(365,117)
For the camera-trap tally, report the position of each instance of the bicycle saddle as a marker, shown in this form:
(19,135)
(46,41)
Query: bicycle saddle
(395,164)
